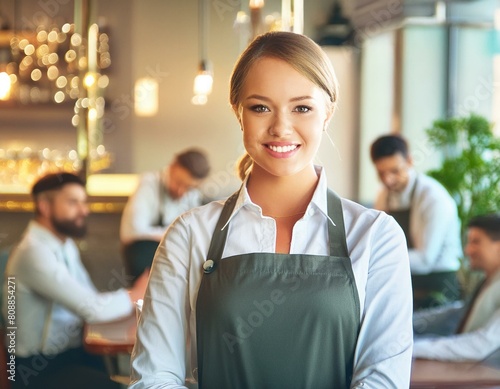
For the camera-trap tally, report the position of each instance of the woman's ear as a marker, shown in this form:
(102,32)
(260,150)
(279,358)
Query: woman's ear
(237,111)
(329,116)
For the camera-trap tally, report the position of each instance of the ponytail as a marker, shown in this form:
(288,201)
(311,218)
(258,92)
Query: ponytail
(244,165)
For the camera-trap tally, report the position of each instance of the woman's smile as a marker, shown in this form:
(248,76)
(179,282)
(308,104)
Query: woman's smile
(282,150)
(282,115)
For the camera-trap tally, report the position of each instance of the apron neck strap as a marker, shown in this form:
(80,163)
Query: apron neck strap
(219,236)
(336,233)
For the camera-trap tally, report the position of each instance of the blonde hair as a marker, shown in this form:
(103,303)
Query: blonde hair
(300,52)
(244,165)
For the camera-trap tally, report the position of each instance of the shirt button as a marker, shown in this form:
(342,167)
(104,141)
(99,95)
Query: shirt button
(208,266)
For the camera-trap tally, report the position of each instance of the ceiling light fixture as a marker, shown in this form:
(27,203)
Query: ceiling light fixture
(204,79)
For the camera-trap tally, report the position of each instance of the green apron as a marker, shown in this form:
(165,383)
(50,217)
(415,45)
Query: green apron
(433,289)
(266,320)
(402,216)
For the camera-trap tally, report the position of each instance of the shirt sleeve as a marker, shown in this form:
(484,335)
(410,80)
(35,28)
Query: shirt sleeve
(384,349)
(471,346)
(142,212)
(165,312)
(441,320)
(38,268)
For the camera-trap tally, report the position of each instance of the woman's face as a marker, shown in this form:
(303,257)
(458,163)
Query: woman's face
(282,115)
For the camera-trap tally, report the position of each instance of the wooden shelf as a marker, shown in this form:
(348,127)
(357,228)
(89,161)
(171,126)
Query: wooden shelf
(14,113)
(7,35)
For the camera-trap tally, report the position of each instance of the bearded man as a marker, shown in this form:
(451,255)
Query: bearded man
(54,294)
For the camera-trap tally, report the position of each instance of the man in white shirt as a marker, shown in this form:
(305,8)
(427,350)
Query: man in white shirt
(158,199)
(477,333)
(428,216)
(54,295)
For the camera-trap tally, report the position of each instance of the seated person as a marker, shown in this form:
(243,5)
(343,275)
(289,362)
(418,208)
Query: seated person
(428,216)
(468,346)
(158,199)
(478,332)
(54,294)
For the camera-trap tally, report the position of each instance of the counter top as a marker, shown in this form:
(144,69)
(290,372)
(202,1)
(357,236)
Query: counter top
(107,193)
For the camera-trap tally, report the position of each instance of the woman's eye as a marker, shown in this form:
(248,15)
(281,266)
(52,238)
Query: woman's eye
(259,108)
(302,109)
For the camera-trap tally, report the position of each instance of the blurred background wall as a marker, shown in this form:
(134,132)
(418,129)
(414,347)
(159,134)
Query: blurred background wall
(410,62)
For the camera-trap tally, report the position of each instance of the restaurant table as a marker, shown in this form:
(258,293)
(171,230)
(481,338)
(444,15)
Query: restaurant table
(109,339)
(428,374)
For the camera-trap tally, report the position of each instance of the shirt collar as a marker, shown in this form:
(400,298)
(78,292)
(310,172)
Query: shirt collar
(403,198)
(318,201)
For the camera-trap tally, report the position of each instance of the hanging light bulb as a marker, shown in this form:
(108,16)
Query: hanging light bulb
(256,3)
(204,78)
(202,84)
(256,17)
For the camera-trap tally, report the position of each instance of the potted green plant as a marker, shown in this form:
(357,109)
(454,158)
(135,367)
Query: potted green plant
(470,169)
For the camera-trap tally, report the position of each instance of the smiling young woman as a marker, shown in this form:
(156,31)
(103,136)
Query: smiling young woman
(282,130)
(284,284)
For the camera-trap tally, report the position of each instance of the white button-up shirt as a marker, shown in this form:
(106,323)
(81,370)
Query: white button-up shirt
(54,294)
(150,202)
(470,346)
(434,223)
(481,335)
(377,249)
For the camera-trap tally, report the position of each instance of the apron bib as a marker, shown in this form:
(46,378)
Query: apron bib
(403,217)
(266,320)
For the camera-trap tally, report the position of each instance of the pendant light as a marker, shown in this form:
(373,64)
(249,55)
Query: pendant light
(204,79)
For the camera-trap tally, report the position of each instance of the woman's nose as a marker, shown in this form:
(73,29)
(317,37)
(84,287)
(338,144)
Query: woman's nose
(281,125)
